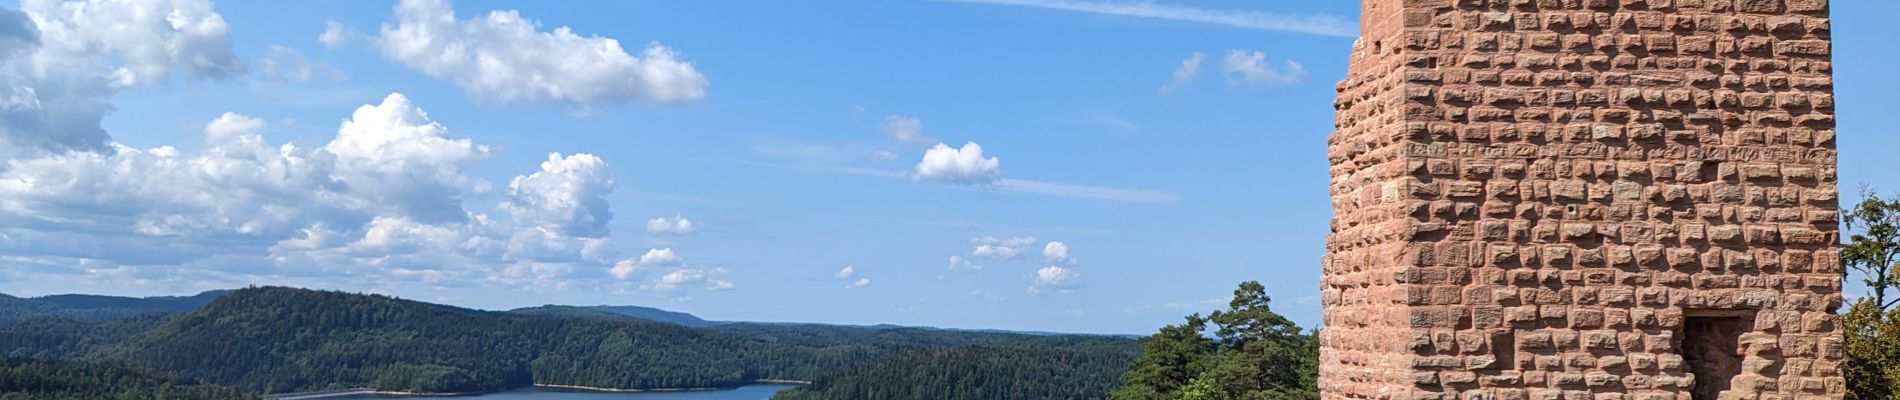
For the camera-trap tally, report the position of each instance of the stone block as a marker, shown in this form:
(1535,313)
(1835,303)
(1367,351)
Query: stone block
(1537,198)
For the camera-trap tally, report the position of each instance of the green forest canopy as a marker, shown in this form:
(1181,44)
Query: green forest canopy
(276,340)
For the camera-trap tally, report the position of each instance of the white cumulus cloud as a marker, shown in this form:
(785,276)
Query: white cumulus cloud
(847,273)
(995,248)
(406,162)
(384,199)
(505,58)
(624,270)
(1253,68)
(567,195)
(662,271)
(958,165)
(712,279)
(149,38)
(1057,252)
(1056,278)
(677,225)
(62,61)
(664,256)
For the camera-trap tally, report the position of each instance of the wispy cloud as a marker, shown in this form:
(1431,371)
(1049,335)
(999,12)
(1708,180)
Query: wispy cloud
(1180,305)
(1317,24)
(1253,68)
(1087,192)
(1111,122)
(1189,67)
(1020,186)
(881,173)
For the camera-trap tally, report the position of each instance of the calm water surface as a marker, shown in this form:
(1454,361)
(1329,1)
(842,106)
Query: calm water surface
(753,392)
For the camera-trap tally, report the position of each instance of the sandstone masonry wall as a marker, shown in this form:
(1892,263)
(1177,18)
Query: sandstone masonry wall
(1532,196)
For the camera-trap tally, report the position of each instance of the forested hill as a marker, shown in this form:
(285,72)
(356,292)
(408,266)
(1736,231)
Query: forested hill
(287,340)
(1039,368)
(160,303)
(646,313)
(278,340)
(655,314)
(22,379)
(96,308)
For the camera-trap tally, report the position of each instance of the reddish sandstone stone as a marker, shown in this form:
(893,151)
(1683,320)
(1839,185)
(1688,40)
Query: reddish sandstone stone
(1545,199)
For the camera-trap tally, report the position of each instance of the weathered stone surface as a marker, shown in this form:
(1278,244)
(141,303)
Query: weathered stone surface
(1533,199)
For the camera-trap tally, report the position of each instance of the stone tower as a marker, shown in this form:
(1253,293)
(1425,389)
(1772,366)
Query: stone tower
(1585,200)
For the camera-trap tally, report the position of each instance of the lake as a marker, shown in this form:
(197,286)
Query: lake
(751,392)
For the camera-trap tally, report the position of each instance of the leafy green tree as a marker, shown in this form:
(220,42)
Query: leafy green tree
(1203,389)
(1876,247)
(22,379)
(1872,324)
(1172,358)
(1253,353)
(1263,354)
(1873,352)
(1052,367)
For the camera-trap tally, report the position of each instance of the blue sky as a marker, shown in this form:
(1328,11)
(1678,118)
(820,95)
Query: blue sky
(796,138)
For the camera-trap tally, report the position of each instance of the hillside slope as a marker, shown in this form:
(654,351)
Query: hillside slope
(655,314)
(280,340)
(23,379)
(96,308)
(284,340)
(1039,367)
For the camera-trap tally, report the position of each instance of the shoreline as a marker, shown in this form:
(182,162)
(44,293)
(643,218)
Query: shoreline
(697,389)
(616,390)
(361,392)
(782,381)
